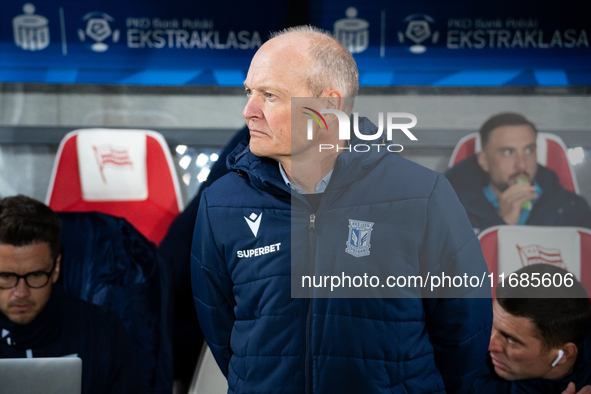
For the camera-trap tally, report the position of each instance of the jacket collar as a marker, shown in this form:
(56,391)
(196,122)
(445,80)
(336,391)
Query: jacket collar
(262,172)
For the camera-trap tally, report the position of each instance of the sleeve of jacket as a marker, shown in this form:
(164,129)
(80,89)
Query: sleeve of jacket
(459,319)
(212,288)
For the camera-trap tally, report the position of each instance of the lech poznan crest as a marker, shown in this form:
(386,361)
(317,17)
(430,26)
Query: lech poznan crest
(31,32)
(418,30)
(352,32)
(98,28)
(359,236)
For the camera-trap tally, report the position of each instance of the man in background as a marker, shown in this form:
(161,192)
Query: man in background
(38,320)
(541,336)
(504,184)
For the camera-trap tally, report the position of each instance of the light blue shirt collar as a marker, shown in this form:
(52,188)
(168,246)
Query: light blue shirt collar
(320,186)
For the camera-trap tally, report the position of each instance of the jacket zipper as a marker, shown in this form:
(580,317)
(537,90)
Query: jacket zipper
(311,253)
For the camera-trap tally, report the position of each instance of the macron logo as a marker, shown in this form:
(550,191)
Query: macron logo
(254,222)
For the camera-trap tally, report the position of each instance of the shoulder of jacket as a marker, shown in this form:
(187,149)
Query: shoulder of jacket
(232,182)
(407,168)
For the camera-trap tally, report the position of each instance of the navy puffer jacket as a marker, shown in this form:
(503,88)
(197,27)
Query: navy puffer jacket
(265,341)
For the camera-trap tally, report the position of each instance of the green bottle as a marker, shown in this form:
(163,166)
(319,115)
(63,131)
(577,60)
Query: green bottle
(526,204)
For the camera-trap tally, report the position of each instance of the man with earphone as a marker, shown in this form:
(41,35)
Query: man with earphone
(541,336)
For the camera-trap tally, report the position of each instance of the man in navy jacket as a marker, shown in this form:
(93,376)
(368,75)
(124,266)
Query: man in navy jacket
(288,212)
(504,184)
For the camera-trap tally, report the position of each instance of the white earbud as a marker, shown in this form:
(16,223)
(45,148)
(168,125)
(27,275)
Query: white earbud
(560,354)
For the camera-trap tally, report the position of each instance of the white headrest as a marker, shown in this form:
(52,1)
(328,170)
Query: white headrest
(112,165)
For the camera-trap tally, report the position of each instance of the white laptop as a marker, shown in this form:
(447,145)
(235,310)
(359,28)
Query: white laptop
(60,375)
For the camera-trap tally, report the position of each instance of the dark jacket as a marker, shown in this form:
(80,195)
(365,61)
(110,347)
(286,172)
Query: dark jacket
(555,207)
(265,341)
(68,326)
(581,376)
(106,261)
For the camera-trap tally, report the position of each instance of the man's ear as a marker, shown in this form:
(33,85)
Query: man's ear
(482,160)
(335,99)
(56,271)
(570,353)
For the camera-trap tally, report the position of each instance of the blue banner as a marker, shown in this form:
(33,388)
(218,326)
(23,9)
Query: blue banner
(152,42)
(463,43)
(132,42)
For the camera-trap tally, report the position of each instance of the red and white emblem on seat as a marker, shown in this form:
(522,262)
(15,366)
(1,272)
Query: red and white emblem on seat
(107,154)
(536,254)
(121,172)
(112,165)
(508,248)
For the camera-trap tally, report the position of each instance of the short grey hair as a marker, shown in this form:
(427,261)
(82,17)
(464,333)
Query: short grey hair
(333,66)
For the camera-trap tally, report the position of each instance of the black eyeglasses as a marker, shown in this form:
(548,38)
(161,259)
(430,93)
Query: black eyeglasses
(35,279)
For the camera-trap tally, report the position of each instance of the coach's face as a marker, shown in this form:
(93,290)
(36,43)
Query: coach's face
(516,349)
(276,74)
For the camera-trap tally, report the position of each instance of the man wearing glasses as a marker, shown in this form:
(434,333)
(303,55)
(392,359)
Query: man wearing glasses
(38,320)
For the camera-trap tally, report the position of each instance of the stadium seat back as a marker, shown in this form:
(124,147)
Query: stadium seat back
(508,248)
(124,173)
